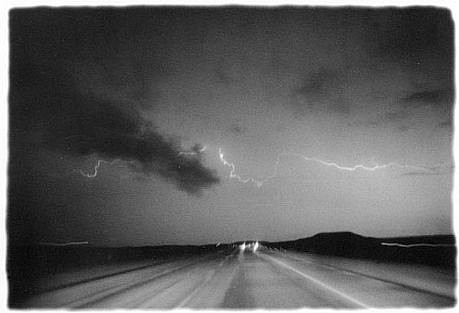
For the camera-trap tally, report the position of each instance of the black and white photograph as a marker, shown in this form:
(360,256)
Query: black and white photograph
(233,156)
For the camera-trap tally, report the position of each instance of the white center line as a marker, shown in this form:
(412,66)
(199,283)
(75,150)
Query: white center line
(350,299)
(209,276)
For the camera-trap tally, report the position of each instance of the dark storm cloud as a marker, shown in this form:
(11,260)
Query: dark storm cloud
(440,98)
(403,128)
(319,82)
(421,40)
(395,116)
(418,41)
(322,91)
(424,174)
(445,124)
(46,100)
(440,101)
(223,75)
(237,129)
(397,119)
(440,169)
(408,35)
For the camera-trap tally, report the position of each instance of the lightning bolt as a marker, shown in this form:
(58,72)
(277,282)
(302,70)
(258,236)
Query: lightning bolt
(97,167)
(193,152)
(259,183)
(95,172)
(354,168)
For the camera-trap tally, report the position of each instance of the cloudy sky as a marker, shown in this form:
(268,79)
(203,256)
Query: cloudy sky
(195,125)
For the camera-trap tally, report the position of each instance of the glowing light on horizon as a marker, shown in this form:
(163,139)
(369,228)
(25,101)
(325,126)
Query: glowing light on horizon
(70,243)
(394,244)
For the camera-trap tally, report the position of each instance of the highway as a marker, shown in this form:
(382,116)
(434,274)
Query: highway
(258,277)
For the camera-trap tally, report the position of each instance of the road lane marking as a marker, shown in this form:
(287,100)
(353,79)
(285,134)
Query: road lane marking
(341,294)
(168,290)
(133,301)
(108,292)
(105,293)
(333,268)
(368,276)
(309,262)
(208,278)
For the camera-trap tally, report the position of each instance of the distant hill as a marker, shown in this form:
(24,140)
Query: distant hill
(435,250)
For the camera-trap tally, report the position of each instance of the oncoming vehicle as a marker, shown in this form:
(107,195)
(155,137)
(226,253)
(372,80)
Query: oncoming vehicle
(251,246)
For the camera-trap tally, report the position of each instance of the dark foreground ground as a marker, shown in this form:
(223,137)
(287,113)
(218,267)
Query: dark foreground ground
(337,270)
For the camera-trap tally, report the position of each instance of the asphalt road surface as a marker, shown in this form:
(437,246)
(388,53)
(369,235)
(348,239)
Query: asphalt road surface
(264,278)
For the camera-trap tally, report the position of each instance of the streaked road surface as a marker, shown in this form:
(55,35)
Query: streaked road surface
(258,278)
